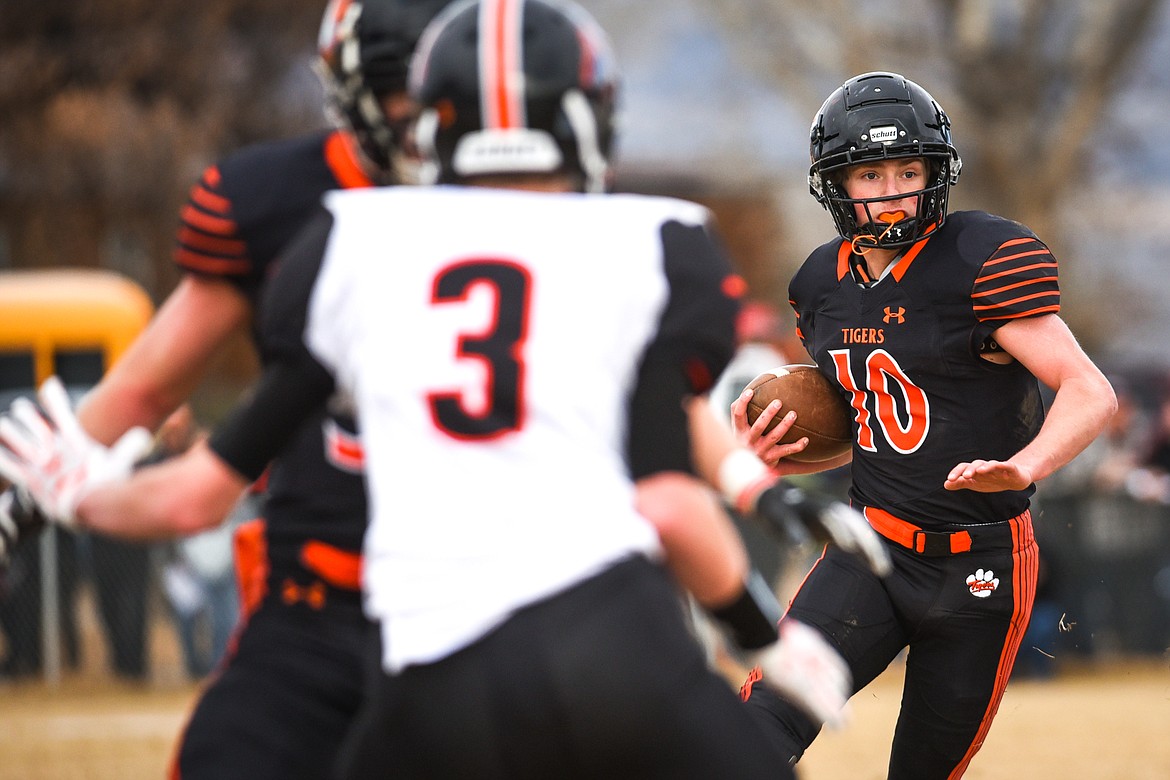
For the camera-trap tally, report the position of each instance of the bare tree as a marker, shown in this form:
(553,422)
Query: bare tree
(1029,85)
(1025,81)
(108,110)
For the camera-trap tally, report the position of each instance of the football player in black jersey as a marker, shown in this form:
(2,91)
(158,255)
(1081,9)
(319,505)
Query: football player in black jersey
(937,328)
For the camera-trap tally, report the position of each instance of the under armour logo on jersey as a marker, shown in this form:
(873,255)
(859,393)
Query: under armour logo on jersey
(897,315)
(312,595)
(982,583)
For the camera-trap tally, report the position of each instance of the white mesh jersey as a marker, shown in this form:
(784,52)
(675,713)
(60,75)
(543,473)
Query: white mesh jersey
(491,340)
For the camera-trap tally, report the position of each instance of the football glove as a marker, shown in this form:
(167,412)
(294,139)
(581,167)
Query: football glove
(795,660)
(48,453)
(19,521)
(806,670)
(799,516)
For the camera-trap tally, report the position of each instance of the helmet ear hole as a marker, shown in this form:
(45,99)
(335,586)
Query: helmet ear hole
(934,169)
(364,50)
(835,184)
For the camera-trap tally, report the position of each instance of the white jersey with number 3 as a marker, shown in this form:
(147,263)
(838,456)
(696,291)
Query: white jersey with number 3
(491,340)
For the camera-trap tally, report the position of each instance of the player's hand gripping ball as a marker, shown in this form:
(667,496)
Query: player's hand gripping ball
(821,413)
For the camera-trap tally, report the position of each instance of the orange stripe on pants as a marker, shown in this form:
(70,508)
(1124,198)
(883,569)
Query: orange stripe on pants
(1025,572)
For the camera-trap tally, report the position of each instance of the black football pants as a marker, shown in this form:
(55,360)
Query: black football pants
(281,704)
(962,617)
(601,681)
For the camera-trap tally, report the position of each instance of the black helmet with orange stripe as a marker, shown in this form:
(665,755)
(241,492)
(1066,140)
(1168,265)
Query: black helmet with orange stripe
(364,49)
(511,87)
(878,116)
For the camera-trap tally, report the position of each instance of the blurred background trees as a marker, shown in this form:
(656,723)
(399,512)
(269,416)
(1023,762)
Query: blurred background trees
(1028,83)
(1052,101)
(110,108)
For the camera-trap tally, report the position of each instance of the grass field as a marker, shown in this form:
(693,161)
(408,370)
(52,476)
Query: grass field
(1093,723)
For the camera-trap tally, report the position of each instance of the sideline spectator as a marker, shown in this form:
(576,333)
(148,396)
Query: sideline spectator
(198,577)
(1077,504)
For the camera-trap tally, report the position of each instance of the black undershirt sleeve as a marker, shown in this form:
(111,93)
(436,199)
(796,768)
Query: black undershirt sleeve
(694,343)
(659,436)
(294,384)
(258,429)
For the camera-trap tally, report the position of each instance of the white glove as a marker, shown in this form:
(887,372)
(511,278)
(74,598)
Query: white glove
(853,533)
(800,515)
(806,670)
(54,459)
(9,531)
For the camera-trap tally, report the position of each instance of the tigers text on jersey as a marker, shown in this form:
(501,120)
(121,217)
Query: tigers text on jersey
(906,353)
(492,347)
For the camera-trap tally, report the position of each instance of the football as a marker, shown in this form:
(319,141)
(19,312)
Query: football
(821,413)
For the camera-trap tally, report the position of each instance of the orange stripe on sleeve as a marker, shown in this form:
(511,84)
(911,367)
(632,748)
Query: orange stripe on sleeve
(1033,296)
(1011,271)
(1007,287)
(209,200)
(214,245)
(206,222)
(1016,242)
(211,265)
(1017,256)
(1053,309)
(1019,279)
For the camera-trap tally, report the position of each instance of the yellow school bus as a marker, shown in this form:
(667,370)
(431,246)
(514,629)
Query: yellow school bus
(74,323)
(71,322)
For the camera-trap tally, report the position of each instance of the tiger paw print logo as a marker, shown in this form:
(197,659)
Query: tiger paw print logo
(982,583)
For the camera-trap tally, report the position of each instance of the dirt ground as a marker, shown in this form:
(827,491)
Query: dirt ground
(1105,722)
(1094,723)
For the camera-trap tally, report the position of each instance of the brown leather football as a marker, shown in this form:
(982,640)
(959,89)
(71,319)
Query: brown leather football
(822,413)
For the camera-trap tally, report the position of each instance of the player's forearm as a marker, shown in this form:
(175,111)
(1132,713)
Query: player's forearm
(121,401)
(178,497)
(703,549)
(165,364)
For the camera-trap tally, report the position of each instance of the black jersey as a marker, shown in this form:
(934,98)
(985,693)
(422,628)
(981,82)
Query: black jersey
(906,353)
(238,219)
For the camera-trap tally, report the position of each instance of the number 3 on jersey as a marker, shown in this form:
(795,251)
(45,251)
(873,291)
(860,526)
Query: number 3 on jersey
(499,347)
(903,419)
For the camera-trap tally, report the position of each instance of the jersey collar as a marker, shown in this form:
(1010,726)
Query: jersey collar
(342,158)
(847,260)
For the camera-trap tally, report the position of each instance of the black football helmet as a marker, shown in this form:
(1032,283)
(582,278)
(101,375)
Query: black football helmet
(364,49)
(514,87)
(877,116)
